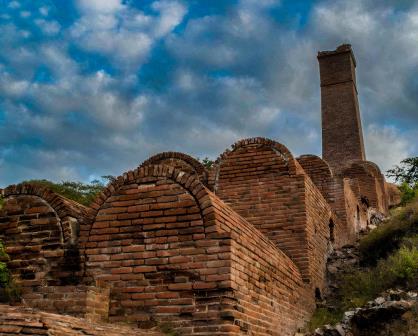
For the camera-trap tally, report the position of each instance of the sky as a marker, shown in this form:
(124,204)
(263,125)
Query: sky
(93,87)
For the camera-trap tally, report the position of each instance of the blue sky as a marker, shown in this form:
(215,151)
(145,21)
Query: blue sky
(94,87)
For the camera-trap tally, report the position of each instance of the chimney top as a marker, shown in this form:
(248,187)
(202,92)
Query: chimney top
(343,48)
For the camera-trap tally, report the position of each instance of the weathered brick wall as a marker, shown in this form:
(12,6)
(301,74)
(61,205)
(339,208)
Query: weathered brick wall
(262,182)
(258,180)
(18,320)
(171,251)
(318,218)
(342,137)
(161,258)
(179,161)
(371,184)
(338,196)
(269,296)
(320,174)
(393,194)
(40,229)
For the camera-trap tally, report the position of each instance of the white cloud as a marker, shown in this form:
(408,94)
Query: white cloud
(44,10)
(124,34)
(48,27)
(386,146)
(99,6)
(14,5)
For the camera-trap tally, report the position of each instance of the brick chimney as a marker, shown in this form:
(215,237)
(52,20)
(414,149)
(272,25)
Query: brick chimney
(342,136)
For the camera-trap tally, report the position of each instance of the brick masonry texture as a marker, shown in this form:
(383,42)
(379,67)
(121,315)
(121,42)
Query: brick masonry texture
(28,321)
(239,249)
(342,137)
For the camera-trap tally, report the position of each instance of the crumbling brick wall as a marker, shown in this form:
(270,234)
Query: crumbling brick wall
(370,184)
(171,251)
(40,231)
(336,194)
(179,161)
(261,181)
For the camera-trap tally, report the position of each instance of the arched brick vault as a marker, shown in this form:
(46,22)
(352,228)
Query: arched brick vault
(180,161)
(40,229)
(261,181)
(319,172)
(63,207)
(173,251)
(371,183)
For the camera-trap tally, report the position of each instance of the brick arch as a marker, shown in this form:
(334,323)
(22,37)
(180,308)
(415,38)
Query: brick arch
(189,181)
(40,229)
(310,162)
(180,161)
(174,262)
(320,173)
(147,243)
(370,183)
(63,207)
(281,150)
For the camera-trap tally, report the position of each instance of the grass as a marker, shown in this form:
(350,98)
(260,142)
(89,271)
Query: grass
(389,256)
(388,237)
(324,316)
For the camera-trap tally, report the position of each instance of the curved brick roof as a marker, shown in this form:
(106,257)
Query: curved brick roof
(190,182)
(314,160)
(194,164)
(277,147)
(61,205)
(370,168)
(18,320)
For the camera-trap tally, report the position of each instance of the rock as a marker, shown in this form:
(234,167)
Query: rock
(379,300)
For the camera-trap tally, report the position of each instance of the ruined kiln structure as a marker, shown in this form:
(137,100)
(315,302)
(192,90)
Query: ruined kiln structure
(239,249)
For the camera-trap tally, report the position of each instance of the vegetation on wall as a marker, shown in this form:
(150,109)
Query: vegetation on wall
(389,259)
(83,193)
(9,291)
(406,174)
(206,162)
(389,236)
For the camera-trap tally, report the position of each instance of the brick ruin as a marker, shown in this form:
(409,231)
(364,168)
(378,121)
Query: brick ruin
(238,249)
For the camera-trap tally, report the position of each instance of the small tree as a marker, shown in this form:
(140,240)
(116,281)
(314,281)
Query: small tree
(407,175)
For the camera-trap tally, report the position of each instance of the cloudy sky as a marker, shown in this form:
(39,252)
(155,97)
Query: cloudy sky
(94,87)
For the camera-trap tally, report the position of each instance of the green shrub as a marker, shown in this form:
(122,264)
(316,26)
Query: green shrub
(388,237)
(1,201)
(9,291)
(408,193)
(399,269)
(83,193)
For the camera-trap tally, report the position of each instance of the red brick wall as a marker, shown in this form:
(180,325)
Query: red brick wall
(171,251)
(336,195)
(319,172)
(163,261)
(270,297)
(258,180)
(370,184)
(393,194)
(262,182)
(179,161)
(39,229)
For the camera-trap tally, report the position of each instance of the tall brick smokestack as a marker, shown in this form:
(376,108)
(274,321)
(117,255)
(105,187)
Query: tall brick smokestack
(342,135)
